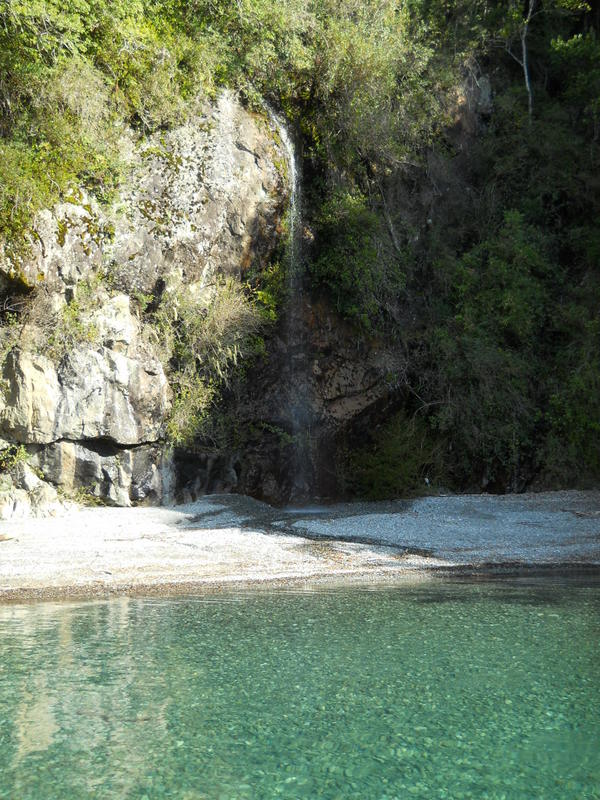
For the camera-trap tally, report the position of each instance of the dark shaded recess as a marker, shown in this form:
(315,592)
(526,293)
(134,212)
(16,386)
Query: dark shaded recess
(105,448)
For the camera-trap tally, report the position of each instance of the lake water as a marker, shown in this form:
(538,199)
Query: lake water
(432,690)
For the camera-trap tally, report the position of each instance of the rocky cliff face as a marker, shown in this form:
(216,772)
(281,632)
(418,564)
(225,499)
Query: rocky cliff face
(328,385)
(85,382)
(194,201)
(83,386)
(331,380)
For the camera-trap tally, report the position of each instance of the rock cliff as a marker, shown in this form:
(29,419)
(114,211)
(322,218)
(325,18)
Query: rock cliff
(87,391)
(84,389)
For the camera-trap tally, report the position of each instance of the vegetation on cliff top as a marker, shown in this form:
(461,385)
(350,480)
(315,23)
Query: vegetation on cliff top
(356,77)
(489,281)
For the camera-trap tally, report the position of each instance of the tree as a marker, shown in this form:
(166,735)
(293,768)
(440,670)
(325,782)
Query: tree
(517,27)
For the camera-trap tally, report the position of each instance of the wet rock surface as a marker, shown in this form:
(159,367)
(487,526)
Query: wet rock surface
(310,396)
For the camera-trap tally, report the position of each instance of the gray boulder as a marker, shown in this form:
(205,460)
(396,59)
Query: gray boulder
(23,494)
(92,394)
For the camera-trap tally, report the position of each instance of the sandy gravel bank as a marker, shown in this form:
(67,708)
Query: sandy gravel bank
(207,543)
(223,540)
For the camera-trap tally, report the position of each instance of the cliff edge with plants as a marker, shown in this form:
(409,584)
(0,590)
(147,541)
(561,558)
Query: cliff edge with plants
(442,329)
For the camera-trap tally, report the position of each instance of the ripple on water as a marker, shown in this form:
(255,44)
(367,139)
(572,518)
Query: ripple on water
(438,690)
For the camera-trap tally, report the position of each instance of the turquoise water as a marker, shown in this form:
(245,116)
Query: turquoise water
(440,690)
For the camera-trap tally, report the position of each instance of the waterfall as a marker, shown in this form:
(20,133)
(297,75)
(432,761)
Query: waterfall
(295,214)
(298,409)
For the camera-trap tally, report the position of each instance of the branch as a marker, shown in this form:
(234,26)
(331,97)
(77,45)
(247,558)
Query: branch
(512,55)
(388,219)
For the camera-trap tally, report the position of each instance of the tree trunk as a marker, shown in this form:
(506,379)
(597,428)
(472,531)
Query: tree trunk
(525,61)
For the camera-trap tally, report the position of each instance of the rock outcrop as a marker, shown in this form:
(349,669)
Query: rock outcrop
(196,200)
(310,399)
(200,200)
(90,402)
(24,494)
(91,394)
(100,470)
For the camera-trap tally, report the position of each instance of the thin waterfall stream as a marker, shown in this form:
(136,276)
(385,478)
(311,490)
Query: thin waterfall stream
(298,401)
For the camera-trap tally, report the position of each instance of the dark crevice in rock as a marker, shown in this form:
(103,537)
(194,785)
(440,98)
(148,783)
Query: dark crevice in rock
(102,446)
(106,447)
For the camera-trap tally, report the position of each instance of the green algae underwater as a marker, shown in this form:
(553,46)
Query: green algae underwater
(442,689)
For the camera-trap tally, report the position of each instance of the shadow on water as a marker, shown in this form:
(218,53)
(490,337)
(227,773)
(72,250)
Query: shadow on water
(532,590)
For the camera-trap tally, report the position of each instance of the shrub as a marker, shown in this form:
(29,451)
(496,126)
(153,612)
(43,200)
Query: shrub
(204,339)
(11,456)
(355,261)
(64,329)
(70,328)
(402,458)
(10,327)
(190,415)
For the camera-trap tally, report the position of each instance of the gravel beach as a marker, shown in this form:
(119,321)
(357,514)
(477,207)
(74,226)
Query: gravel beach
(223,540)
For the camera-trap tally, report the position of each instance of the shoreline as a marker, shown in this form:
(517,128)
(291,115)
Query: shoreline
(228,542)
(213,586)
(396,577)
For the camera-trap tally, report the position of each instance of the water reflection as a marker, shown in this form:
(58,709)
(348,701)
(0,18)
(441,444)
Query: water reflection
(473,690)
(35,724)
(78,683)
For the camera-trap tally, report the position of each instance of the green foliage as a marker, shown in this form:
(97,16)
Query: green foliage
(190,416)
(44,323)
(576,63)
(355,260)
(71,325)
(270,291)
(506,361)
(11,456)
(10,328)
(403,458)
(204,338)
(284,438)
(512,361)
(72,74)
(213,334)
(573,415)
(489,355)
(375,94)
(487,409)
(501,283)
(355,76)
(503,347)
